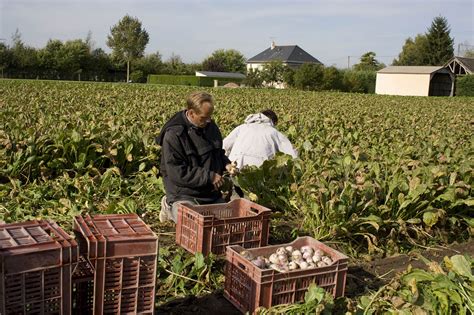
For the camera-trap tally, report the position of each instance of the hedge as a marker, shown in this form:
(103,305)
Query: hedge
(465,85)
(359,81)
(187,80)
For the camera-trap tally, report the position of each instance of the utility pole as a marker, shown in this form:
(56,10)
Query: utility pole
(348,62)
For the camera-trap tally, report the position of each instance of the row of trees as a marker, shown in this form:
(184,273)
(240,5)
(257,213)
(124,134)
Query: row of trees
(316,77)
(434,48)
(80,60)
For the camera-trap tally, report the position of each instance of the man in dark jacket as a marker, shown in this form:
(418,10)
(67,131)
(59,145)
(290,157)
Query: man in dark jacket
(192,158)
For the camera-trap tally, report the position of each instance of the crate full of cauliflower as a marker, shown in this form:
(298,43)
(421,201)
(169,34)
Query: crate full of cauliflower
(281,274)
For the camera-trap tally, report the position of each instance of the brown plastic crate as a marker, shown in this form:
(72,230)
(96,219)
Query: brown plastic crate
(83,287)
(122,250)
(211,228)
(36,262)
(249,287)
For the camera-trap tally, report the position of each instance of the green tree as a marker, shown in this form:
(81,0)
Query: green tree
(465,85)
(74,57)
(127,40)
(368,63)
(222,60)
(332,79)
(174,65)
(49,58)
(253,78)
(191,68)
(24,58)
(359,81)
(440,43)
(100,64)
(5,58)
(137,76)
(289,76)
(272,72)
(309,76)
(414,52)
(149,64)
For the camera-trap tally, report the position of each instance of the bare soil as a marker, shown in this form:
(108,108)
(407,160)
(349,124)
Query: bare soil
(371,275)
(210,304)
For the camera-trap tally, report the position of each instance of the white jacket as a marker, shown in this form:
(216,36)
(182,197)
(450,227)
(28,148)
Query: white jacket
(256,141)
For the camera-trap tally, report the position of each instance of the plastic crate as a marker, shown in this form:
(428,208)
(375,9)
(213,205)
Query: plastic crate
(36,262)
(83,287)
(122,251)
(249,287)
(211,228)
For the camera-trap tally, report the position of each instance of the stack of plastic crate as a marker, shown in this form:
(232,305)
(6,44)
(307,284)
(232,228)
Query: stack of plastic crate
(36,262)
(122,252)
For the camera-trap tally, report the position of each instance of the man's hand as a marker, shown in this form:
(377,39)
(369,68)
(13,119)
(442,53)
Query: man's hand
(217,181)
(232,168)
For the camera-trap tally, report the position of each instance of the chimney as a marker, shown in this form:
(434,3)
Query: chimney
(272,45)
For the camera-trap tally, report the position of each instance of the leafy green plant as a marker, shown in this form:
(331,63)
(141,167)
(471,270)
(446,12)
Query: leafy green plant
(377,174)
(316,301)
(182,274)
(444,289)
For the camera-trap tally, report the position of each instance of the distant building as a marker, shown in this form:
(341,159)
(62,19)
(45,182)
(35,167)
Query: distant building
(292,56)
(461,65)
(222,78)
(415,81)
(221,75)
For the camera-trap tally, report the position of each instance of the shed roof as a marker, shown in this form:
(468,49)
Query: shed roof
(289,54)
(213,74)
(465,62)
(412,69)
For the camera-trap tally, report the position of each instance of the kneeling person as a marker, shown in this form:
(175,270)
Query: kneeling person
(192,158)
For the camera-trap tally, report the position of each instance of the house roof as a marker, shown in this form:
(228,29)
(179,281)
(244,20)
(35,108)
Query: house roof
(412,69)
(212,74)
(465,62)
(288,54)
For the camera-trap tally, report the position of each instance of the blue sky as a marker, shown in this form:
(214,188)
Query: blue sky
(329,30)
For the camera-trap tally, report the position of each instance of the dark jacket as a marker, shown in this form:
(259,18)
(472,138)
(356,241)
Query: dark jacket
(190,156)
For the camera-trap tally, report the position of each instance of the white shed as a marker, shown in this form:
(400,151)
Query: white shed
(221,75)
(415,81)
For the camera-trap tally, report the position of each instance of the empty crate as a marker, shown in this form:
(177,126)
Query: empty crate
(122,252)
(36,262)
(249,287)
(211,228)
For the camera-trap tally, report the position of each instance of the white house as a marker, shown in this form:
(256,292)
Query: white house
(415,81)
(292,56)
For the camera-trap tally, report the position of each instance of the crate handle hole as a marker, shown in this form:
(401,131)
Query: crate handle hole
(242,266)
(252,209)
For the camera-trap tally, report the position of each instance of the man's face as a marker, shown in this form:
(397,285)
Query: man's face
(203,117)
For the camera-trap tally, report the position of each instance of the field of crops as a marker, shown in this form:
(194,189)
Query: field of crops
(377,175)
